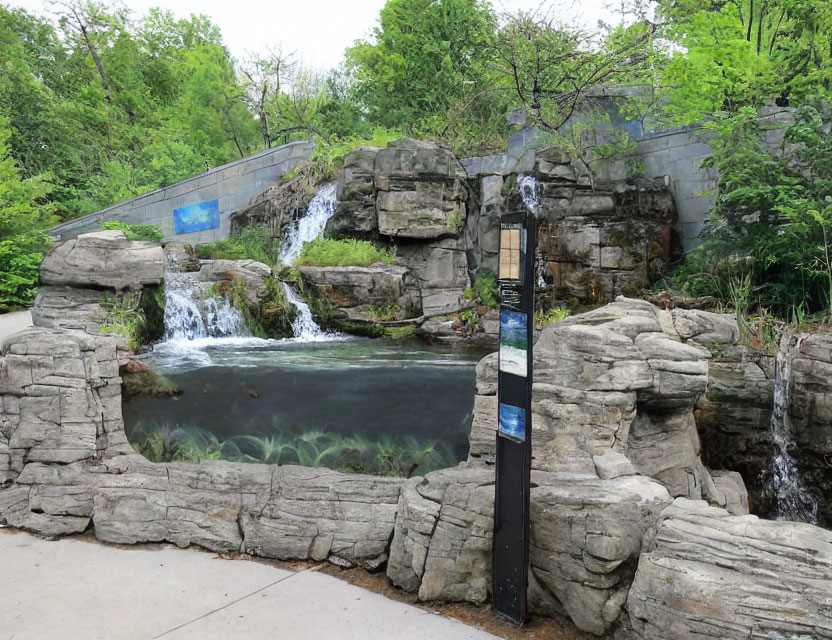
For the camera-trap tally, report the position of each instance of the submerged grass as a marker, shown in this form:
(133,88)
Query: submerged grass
(313,448)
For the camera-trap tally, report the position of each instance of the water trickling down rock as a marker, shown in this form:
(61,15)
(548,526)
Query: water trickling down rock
(792,499)
(309,227)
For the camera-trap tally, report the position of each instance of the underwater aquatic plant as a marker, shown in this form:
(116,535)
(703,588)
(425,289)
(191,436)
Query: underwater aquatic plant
(386,456)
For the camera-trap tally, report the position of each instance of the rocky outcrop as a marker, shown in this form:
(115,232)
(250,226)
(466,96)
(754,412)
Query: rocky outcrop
(103,260)
(61,398)
(619,378)
(414,193)
(70,308)
(810,415)
(601,242)
(78,277)
(708,574)
(251,275)
(376,285)
(586,538)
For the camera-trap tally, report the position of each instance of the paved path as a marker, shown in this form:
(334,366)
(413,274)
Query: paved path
(13,322)
(73,588)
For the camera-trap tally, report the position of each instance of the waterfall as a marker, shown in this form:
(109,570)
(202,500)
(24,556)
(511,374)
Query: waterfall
(309,227)
(792,500)
(191,312)
(530,192)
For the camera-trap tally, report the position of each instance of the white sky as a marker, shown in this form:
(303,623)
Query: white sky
(318,30)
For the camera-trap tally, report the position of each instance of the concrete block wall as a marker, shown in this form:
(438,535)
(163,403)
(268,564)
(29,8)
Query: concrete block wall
(232,185)
(679,153)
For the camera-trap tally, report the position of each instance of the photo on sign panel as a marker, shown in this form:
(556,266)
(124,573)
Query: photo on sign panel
(512,422)
(514,343)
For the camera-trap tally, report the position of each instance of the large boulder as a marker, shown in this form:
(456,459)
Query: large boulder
(585,540)
(377,284)
(104,260)
(708,574)
(617,378)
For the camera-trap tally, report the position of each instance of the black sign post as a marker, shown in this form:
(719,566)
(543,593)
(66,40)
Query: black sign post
(514,395)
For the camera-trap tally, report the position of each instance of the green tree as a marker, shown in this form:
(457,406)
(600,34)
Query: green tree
(425,56)
(22,212)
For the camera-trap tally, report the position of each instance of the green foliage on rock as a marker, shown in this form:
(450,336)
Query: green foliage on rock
(254,243)
(485,290)
(326,252)
(148,232)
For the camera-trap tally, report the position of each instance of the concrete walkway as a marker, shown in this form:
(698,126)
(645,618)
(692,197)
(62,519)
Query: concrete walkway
(78,589)
(13,322)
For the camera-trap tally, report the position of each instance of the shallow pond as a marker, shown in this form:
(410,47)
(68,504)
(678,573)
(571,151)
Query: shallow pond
(355,404)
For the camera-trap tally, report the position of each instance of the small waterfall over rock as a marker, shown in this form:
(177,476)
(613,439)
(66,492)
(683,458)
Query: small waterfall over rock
(192,312)
(792,500)
(530,192)
(309,227)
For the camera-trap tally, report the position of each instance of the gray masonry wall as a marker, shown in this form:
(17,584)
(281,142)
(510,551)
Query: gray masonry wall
(678,153)
(232,185)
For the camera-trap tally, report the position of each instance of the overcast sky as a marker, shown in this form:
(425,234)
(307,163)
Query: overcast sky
(318,30)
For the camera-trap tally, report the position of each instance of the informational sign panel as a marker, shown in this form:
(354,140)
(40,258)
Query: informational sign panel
(196,217)
(514,450)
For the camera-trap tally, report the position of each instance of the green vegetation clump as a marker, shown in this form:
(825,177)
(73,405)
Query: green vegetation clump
(271,316)
(124,317)
(545,318)
(326,252)
(254,243)
(149,232)
(314,448)
(485,290)
(768,244)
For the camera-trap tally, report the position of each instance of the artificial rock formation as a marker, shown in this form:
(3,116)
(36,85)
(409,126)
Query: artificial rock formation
(413,193)
(78,275)
(359,291)
(707,574)
(609,547)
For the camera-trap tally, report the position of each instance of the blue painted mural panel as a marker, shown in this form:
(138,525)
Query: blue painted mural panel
(196,217)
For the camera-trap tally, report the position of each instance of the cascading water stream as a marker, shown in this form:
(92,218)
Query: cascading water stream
(530,193)
(792,500)
(309,227)
(192,313)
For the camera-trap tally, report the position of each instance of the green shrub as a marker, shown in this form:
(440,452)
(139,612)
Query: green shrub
(485,291)
(124,317)
(253,243)
(148,232)
(20,258)
(545,318)
(325,252)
